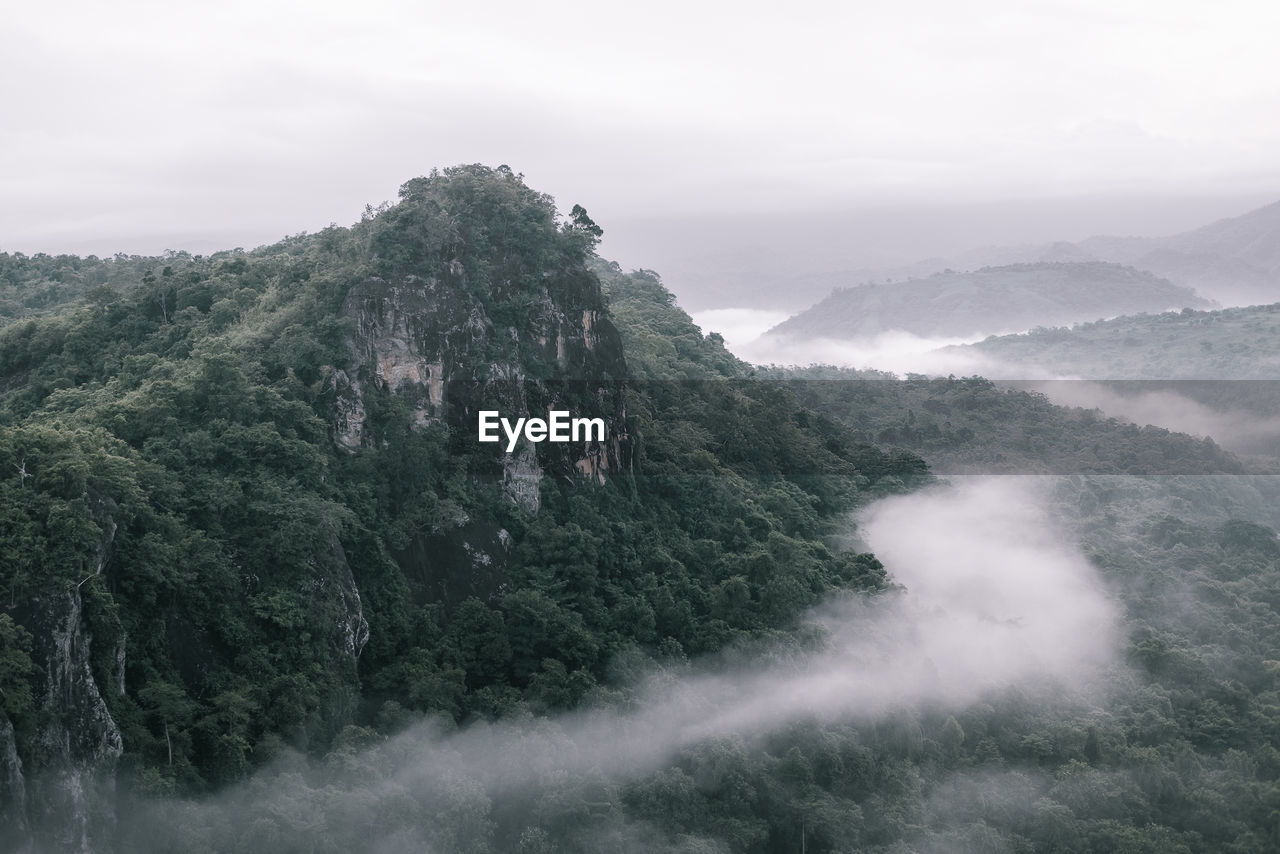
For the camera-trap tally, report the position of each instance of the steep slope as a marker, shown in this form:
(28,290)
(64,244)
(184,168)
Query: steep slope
(245,508)
(483,315)
(989,300)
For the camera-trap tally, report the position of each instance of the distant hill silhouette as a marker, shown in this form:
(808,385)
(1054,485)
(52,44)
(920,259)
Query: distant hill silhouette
(1232,343)
(1235,261)
(991,300)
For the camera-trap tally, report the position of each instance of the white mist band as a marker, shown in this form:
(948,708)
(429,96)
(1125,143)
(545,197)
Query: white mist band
(558,426)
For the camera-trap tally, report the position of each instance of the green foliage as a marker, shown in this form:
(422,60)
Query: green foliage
(166,451)
(971,425)
(16,669)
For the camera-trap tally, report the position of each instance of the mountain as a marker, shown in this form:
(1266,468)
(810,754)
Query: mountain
(989,300)
(1235,261)
(245,508)
(263,588)
(1226,344)
(1253,238)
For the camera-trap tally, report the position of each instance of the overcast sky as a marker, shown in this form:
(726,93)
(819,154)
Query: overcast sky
(141,126)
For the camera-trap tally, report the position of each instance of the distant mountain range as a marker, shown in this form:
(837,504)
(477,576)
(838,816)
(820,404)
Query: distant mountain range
(991,300)
(1235,261)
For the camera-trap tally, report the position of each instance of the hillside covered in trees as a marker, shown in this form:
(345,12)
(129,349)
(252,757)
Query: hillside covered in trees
(245,567)
(991,300)
(971,425)
(1226,344)
(263,590)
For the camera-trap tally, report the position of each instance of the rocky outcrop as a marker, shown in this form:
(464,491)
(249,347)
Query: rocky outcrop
(15,834)
(334,594)
(62,797)
(433,343)
(522,478)
(480,303)
(70,791)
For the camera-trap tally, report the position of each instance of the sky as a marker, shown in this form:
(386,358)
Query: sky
(145,126)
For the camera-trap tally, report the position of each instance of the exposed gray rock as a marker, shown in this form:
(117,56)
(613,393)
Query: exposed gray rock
(15,834)
(522,478)
(67,791)
(353,628)
(349,413)
(71,789)
(431,342)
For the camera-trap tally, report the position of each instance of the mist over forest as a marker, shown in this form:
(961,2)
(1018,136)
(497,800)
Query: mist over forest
(264,590)
(931,496)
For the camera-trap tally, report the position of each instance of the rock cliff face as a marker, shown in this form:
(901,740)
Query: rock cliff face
(64,799)
(431,342)
(70,794)
(58,792)
(481,302)
(14,829)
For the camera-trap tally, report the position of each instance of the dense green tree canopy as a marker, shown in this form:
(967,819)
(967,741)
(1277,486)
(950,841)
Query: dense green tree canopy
(167,450)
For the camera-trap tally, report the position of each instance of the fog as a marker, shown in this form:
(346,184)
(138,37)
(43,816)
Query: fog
(744,332)
(1172,405)
(992,598)
(894,351)
(1246,431)
(740,327)
(787,259)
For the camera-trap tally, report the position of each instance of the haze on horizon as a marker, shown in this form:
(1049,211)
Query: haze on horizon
(700,137)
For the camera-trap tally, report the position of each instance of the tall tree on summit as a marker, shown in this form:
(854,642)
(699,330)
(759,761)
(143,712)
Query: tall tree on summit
(579,221)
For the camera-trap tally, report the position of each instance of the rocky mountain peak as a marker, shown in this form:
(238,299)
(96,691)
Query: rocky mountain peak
(481,299)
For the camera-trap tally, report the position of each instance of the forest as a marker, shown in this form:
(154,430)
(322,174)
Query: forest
(1224,344)
(316,615)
